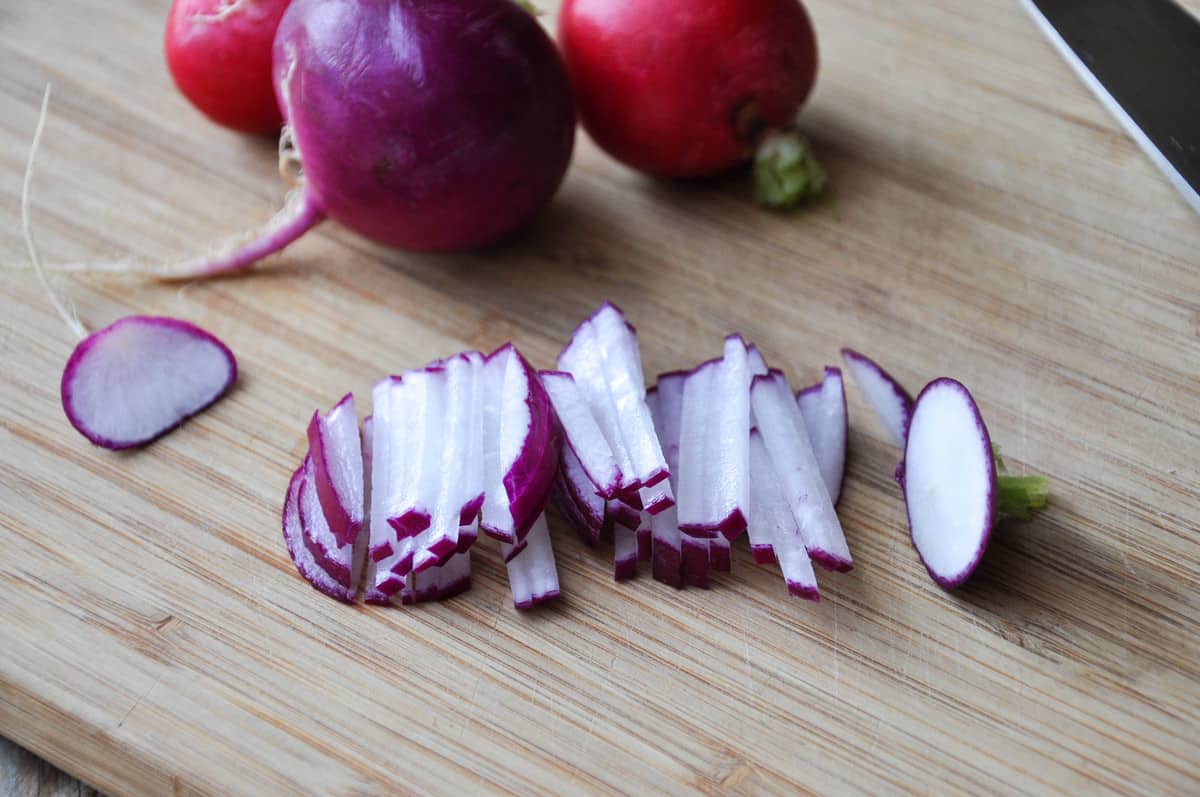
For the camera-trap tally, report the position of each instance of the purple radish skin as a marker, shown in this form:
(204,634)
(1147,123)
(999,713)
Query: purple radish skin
(335,445)
(135,380)
(891,402)
(293,537)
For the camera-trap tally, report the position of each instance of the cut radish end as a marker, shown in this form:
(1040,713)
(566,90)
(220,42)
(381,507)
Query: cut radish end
(521,440)
(622,514)
(336,559)
(720,555)
(452,577)
(139,378)
(795,465)
(823,407)
(335,445)
(694,562)
(625,553)
(604,359)
(293,537)
(418,409)
(714,445)
(891,402)
(666,544)
(581,432)
(771,518)
(952,486)
(665,402)
(577,500)
(532,575)
(657,498)
(643,535)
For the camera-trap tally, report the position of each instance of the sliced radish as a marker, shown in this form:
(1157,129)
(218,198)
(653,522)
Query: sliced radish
(384,434)
(335,445)
(581,432)
(604,359)
(783,432)
(954,485)
(891,402)
(521,441)
(576,499)
(714,445)
(694,561)
(452,577)
(823,407)
(139,378)
(532,575)
(720,555)
(755,361)
(657,498)
(771,518)
(623,515)
(418,407)
(665,402)
(625,552)
(643,537)
(293,537)
(666,555)
(333,557)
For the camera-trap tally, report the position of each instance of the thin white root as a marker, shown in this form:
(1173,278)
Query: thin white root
(67,313)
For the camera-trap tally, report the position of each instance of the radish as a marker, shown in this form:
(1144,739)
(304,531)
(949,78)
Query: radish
(336,558)
(532,575)
(219,54)
(665,402)
(774,531)
(891,402)
(625,552)
(791,454)
(293,537)
(954,488)
(823,407)
(688,88)
(581,432)
(577,499)
(133,381)
(335,447)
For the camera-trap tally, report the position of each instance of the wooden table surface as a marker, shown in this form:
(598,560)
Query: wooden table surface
(989,222)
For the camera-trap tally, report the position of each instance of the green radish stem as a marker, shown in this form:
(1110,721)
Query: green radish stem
(786,171)
(1018,497)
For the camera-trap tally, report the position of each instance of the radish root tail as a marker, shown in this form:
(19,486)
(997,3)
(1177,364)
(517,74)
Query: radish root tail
(65,312)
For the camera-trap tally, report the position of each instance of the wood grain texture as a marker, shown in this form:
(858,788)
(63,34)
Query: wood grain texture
(22,774)
(989,222)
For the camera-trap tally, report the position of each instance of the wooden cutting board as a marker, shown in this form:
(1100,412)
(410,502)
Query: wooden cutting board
(989,222)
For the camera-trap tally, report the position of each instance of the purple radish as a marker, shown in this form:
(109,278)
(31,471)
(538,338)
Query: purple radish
(577,498)
(293,537)
(581,432)
(891,402)
(137,379)
(795,465)
(335,446)
(954,488)
(329,554)
(665,402)
(694,561)
(774,532)
(532,574)
(720,555)
(625,553)
(823,407)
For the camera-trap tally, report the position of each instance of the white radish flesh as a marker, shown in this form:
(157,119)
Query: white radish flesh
(582,432)
(774,532)
(335,445)
(782,429)
(417,411)
(532,575)
(823,407)
(137,379)
(333,557)
(891,402)
(695,429)
(625,552)
(950,482)
(577,498)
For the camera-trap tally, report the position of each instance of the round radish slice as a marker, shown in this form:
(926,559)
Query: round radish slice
(293,537)
(139,378)
(949,482)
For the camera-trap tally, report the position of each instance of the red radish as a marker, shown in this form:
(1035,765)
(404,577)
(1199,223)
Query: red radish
(687,88)
(952,488)
(786,440)
(665,402)
(581,432)
(720,555)
(293,537)
(340,560)
(335,445)
(772,519)
(625,552)
(823,407)
(532,575)
(219,53)
(891,402)
(577,498)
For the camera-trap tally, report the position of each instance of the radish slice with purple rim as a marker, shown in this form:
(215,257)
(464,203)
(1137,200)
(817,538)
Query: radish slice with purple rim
(293,537)
(720,555)
(135,380)
(823,407)
(335,446)
(532,574)
(643,538)
(665,402)
(577,499)
(327,551)
(625,552)
(693,561)
(953,487)
(622,514)
(891,402)
(521,442)
(791,454)
(771,518)
(581,432)
(418,410)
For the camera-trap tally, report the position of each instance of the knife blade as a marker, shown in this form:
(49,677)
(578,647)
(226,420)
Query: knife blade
(1141,58)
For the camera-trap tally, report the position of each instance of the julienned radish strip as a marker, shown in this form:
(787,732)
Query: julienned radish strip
(720,556)
(891,402)
(386,479)
(452,577)
(823,407)
(330,554)
(577,500)
(771,518)
(293,538)
(532,574)
(665,402)
(625,552)
(417,409)
(782,428)
(694,561)
(521,442)
(335,446)
(622,514)
(581,432)
(954,487)
(603,357)
(714,445)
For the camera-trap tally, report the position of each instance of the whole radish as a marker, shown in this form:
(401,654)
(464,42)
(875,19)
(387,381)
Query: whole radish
(689,88)
(219,53)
